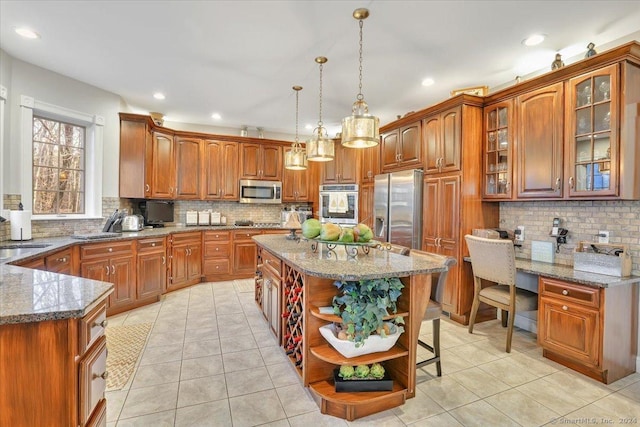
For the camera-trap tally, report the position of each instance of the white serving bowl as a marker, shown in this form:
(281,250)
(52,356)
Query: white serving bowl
(372,344)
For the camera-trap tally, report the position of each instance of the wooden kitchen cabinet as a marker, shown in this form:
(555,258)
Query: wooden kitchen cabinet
(272,292)
(186,260)
(62,262)
(188,167)
(151,268)
(244,252)
(442,141)
(112,262)
(147,159)
(591,330)
(220,182)
(369,164)
(66,382)
(498,148)
(365,201)
(295,185)
(261,161)
(344,168)
(217,251)
(402,148)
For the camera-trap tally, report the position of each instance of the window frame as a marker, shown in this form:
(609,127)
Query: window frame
(94,125)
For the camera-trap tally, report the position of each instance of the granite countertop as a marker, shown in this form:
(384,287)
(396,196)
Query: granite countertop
(337,264)
(28,295)
(566,272)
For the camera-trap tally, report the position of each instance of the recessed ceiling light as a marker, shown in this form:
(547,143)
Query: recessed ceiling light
(27,33)
(428,82)
(216,116)
(158,95)
(533,39)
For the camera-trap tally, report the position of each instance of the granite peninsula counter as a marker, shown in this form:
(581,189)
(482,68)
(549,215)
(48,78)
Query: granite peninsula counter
(293,282)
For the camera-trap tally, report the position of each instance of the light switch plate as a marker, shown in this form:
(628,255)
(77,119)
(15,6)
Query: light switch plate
(542,251)
(603,236)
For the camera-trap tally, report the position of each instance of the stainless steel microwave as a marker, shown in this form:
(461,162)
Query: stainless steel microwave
(253,191)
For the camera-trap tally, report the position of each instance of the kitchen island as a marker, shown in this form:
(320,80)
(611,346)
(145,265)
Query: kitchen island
(293,282)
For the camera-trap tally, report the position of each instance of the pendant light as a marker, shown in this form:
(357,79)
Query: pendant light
(296,158)
(320,148)
(360,129)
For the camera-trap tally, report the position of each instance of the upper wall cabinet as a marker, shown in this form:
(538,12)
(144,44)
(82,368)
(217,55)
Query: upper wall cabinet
(344,168)
(295,184)
(147,156)
(220,182)
(573,132)
(370,164)
(402,148)
(261,161)
(188,167)
(442,142)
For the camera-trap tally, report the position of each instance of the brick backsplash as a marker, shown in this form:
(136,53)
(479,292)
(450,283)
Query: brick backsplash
(582,219)
(232,210)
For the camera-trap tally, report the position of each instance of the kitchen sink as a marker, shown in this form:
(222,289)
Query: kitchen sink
(15,249)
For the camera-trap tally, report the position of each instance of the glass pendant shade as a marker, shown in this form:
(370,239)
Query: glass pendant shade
(320,148)
(360,129)
(296,158)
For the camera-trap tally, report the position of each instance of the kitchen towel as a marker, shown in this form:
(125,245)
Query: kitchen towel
(20,225)
(338,203)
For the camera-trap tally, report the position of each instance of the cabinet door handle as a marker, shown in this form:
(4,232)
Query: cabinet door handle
(147,188)
(103,375)
(113,269)
(558,183)
(571,182)
(164,260)
(565,292)
(107,267)
(565,308)
(102,324)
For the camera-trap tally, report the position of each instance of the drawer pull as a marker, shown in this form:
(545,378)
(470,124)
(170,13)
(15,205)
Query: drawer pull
(217,249)
(164,260)
(110,249)
(103,324)
(153,244)
(565,308)
(104,375)
(63,259)
(565,292)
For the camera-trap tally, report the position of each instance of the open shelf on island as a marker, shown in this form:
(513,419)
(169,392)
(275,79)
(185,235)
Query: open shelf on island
(315,312)
(329,354)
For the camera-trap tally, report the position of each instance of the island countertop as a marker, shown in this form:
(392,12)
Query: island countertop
(337,264)
(28,295)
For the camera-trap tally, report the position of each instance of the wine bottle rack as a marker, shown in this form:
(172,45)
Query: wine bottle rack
(293,316)
(258,278)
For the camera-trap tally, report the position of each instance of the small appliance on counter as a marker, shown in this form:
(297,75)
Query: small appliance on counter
(191,218)
(133,223)
(157,212)
(20,224)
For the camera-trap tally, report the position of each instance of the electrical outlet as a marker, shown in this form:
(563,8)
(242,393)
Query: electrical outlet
(519,234)
(603,236)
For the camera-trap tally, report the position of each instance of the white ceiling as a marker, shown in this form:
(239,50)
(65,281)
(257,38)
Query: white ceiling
(241,58)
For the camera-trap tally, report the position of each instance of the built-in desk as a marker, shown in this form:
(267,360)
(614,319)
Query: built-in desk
(586,321)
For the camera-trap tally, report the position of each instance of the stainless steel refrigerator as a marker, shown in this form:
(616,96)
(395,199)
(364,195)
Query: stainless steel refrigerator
(397,208)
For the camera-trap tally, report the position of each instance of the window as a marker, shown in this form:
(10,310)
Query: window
(61,161)
(58,167)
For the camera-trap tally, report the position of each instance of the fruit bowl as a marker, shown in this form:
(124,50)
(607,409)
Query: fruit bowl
(372,344)
(351,248)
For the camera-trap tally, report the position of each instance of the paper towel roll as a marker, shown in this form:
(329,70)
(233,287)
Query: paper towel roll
(20,225)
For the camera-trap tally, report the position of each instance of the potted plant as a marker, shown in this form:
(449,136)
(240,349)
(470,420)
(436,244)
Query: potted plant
(364,304)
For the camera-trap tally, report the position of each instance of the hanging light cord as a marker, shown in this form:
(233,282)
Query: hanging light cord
(360,96)
(296,143)
(320,116)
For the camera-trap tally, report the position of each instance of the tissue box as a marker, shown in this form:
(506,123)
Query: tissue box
(604,261)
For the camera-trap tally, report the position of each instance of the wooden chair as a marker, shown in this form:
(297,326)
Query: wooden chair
(494,260)
(434,309)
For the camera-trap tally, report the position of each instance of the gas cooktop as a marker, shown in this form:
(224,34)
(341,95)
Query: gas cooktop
(249,223)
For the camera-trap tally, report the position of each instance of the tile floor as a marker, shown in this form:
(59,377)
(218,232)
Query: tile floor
(210,360)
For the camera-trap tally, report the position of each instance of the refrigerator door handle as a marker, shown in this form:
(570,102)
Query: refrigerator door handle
(380,228)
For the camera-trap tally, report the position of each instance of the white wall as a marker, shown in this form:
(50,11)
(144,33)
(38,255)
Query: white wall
(21,78)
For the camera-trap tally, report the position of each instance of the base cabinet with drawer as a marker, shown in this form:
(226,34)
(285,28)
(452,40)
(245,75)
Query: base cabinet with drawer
(216,255)
(152,269)
(591,330)
(62,386)
(244,252)
(186,260)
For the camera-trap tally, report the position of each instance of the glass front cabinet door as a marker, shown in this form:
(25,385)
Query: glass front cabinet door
(592,133)
(498,142)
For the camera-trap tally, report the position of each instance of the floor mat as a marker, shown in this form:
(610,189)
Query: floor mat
(124,346)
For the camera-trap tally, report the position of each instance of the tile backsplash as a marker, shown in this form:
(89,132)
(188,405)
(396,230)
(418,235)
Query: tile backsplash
(583,219)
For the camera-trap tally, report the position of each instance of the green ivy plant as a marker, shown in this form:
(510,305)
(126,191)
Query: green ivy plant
(363,304)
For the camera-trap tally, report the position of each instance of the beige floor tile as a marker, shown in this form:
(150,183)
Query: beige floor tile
(479,382)
(552,397)
(236,343)
(203,333)
(202,390)
(509,370)
(626,407)
(441,420)
(380,419)
(255,409)
(283,374)
(481,414)
(478,352)
(201,322)
(264,338)
(233,330)
(242,360)
(115,401)
(520,407)
(632,391)
(211,414)
(160,373)
(579,385)
(157,339)
(149,400)
(447,392)
(590,415)
(169,325)
(161,354)
(626,381)
(158,419)
(201,367)
(316,419)
(272,354)
(202,348)
(248,381)
(296,400)
(420,407)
